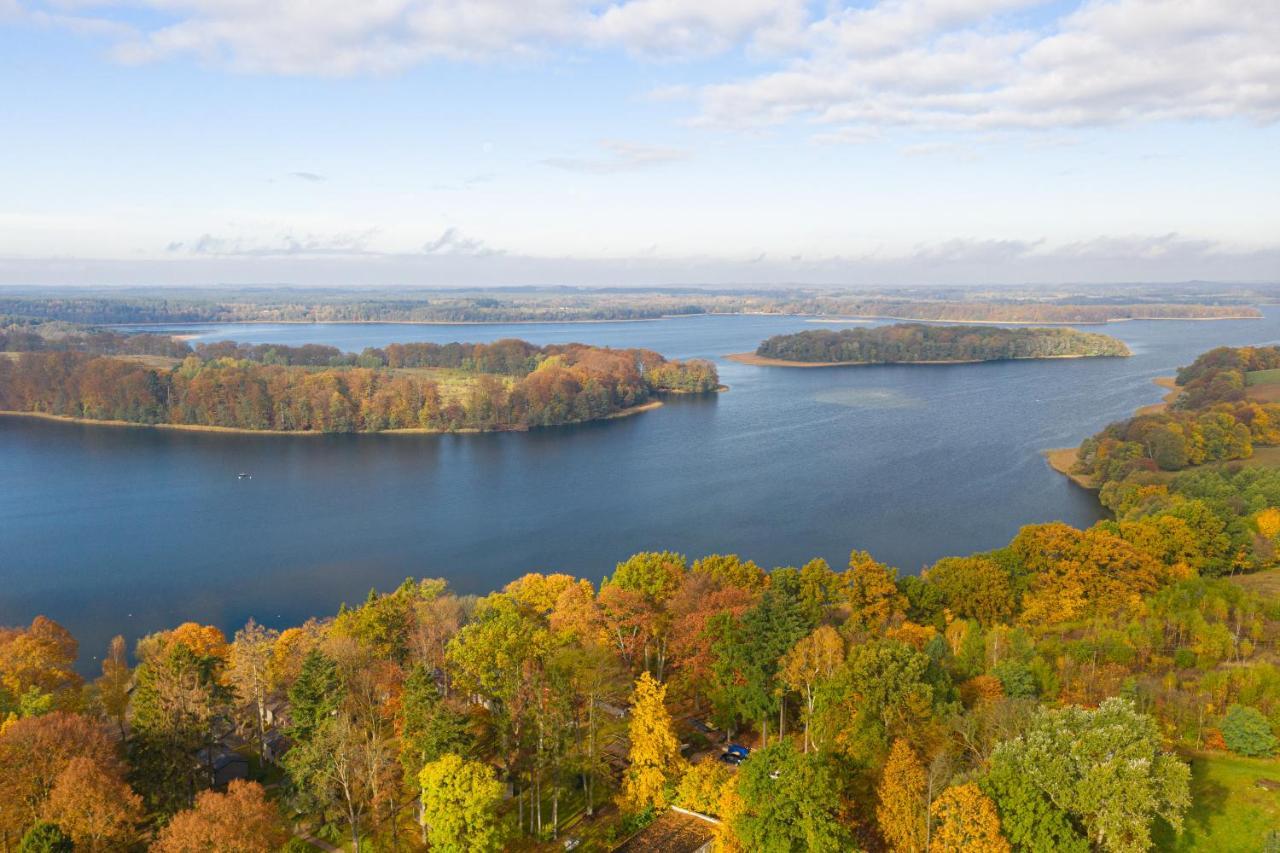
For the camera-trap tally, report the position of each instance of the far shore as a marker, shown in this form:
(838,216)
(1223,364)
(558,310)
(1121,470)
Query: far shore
(812,318)
(763,361)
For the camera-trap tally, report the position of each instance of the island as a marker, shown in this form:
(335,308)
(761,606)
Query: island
(153,380)
(918,343)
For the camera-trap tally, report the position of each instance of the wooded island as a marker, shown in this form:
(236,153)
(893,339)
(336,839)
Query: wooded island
(505,385)
(917,343)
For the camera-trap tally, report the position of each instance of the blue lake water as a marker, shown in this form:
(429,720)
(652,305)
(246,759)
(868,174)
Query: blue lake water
(118,530)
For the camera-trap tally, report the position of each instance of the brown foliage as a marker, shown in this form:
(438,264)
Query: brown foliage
(92,803)
(242,820)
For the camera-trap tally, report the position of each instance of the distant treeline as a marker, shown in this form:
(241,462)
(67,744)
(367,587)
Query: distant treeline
(276,306)
(1212,420)
(17,335)
(1027,311)
(914,342)
(499,386)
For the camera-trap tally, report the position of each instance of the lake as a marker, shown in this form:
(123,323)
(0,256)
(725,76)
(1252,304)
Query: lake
(118,530)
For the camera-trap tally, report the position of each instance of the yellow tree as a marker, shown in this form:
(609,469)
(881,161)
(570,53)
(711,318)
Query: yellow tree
(965,819)
(655,751)
(902,811)
(812,660)
(114,683)
(873,594)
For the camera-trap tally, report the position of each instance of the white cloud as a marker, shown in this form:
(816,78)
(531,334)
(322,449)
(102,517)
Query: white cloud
(288,243)
(453,242)
(340,37)
(948,64)
(971,65)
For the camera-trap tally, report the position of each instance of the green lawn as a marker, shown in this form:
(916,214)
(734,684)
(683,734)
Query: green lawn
(1262,377)
(1228,810)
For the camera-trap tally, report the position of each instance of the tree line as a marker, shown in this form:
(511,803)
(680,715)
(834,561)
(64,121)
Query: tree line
(914,342)
(506,385)
(19,335)
(318,306)
(1028,698)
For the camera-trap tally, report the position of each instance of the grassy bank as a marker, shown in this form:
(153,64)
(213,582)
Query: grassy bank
(1229,809)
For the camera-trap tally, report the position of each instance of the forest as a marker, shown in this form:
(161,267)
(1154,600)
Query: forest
(913,342)
(1115,688)
(505,385)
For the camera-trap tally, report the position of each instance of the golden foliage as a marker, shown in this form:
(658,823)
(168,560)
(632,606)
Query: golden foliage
(655,750)
(872,590)
(965,821)
(901,811)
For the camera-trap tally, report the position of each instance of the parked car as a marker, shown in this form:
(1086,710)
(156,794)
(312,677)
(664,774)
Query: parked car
(738,750)
(731,758)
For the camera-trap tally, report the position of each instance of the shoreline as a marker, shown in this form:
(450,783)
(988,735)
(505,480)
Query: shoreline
(1259,316)
(764,361)
(1063,459)
(67,419)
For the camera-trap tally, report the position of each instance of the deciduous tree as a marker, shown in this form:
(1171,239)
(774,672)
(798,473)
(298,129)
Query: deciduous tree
(93,805)
(654,758)
(242,820)
(902,811)
(460,801)
(965,819)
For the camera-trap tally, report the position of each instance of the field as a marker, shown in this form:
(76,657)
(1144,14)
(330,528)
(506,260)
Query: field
(1263,385)
(1265,584)
(454,384)
(1229,810)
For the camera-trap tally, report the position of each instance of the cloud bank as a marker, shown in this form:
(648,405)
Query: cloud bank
(930,64)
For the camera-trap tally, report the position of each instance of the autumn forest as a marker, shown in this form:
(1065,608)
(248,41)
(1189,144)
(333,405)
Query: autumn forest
(509,384)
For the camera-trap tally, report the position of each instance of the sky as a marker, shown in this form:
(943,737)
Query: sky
(638,142)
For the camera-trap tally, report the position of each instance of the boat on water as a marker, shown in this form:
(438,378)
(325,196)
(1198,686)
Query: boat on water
(244,475)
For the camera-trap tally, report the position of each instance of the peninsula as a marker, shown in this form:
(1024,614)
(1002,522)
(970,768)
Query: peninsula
(415,387)
(1223,408)
(917,343)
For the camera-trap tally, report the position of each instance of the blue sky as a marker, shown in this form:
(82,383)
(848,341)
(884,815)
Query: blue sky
(436,142)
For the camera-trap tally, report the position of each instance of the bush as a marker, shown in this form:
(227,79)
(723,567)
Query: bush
(1247,732)
(1017,679)
(45,838)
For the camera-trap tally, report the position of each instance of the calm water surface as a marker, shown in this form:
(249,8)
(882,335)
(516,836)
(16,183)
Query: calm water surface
(116,530)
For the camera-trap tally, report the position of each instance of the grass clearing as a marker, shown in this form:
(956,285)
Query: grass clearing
(1266,584)
(1229,810)
(454,384)
(1263,377)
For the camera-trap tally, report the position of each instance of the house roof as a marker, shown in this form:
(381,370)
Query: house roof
(674,831)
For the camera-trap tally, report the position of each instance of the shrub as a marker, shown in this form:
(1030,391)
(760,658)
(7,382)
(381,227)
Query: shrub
(1247,732)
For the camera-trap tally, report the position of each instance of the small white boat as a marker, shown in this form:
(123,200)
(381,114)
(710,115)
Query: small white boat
(244,475)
